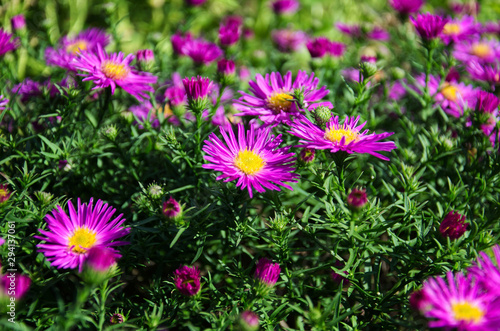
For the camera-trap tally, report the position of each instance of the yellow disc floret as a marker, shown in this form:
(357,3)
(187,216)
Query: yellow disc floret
(450,92)
(249,162)
(279,101)
(467,312)
(114,70)
(481,50)
(79,45)
(335,135)
(81,240)
(451,29)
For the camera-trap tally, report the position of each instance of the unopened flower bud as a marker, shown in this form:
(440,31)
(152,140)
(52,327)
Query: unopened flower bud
(368,69)
(117,318)
(44,197)
(322,115)
(307,155)
(145,59)
(248,321)
(453,225)
(100,265)
(155,191)
(357,199)
(110,132)
(18,22)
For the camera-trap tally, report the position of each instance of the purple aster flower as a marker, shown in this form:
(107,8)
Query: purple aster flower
(230,32)
(197,87)
(377,33)
(485,72)
(178,42)
(145,56)
(281,7)
(69,47)
(201,51)
(406,6)
(187,280)
(267,273)
(453,225)
(397,91)
(112,70)
(339,278)
(195,3)
(347,137)
(101,259)
(486,102)
(468,8)
(337,49)
(429,26)
(145,111)
(6,44)
(3,102)
(175,92)
(460,304)
(27,89)
(483,51)
(452,97)
(460,29)
(253,158)
(288,40)
(4,193)
(272,98)
(70,237)
(18,22)
(226,67)
(491,27)
(418,301)
(357,198)
(20,283)
(318,47)
(487,273)
(171,208)
(352,30)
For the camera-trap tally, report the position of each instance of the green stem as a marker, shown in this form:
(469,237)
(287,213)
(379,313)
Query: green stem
(102,308)
(430,52)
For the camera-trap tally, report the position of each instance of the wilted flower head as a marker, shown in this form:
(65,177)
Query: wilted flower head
(406,6)
(4,193)
(187,280)
(117,318)
(171,208)
(267,273)
(111,70)
(249,321)
(357,198)
(453,225)
(428,26)
(285,6)
(6,44)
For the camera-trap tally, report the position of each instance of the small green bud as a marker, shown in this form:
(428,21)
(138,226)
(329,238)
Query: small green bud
(368,69)
(110,132)
(298,96)
(398,73)
(322,115)
(155,191)
(44,197)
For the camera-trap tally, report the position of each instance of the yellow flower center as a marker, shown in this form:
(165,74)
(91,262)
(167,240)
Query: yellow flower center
(114,70)
(3,193)
(81,240)
(165,111)
(335,135)
(481,50)
(79,45)
(451,28)
(465,311)
(450,92)
(279,102)
(249,162)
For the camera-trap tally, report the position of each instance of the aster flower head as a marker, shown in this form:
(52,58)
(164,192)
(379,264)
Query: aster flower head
(145,57)
(178,42)
(248,321)
(27,89)
(20,284)
(281,7)
(453,225)
(318,47)
(460,29)
(486,102)
(273,97)
(336,49)
(197,91)
(406,6)
(69,237)
(100,264)
(114,70)
(487,271)
(201,51)
(171,208)
(357,199)
(489,72)
(187,280)
(18,22)
(117,318)
(428,26)
(195,3)
(460,303)
(68,48)
(307,155)
(352,30)
(230,32)
(267,273)
(288,40)
(339,278)
(337,137)
(4,193)
(483,51)
(7,43)
(253,159)
(226,67)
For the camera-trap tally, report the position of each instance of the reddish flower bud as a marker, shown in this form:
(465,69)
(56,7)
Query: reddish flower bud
(453,225)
